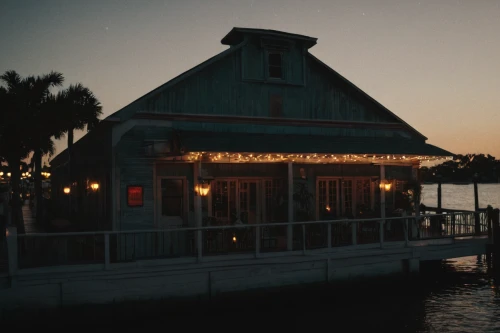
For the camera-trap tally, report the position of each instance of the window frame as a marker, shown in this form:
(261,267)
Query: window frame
(340,205)
(270,51)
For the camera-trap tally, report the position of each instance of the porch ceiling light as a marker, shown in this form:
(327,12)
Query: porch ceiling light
(385,185)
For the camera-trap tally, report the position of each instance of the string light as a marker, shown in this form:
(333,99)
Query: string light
(306,158)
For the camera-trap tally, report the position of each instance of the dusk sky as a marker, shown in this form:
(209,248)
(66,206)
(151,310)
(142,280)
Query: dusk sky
(436,64)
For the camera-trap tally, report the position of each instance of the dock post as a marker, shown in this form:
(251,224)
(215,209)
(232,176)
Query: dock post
(439,195)
(496,243)
(476,196)
(12,252)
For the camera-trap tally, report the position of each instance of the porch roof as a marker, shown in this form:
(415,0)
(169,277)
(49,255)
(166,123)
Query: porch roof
(294,144)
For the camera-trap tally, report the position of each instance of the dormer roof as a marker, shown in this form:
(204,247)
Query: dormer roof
(237,35)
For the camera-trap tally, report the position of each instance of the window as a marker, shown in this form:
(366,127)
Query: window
(363,194)
(275,106)
(338,197)
(224,200)
(327,199)
(172,197)
(275,62)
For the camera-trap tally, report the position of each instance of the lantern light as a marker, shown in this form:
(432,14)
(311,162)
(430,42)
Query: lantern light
(202,189)
(94,186)
(385,185)
(67,190)
(203,186)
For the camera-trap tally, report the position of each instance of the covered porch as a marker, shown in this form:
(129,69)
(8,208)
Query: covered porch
(235,189)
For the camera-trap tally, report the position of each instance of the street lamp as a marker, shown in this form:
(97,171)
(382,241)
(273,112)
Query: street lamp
(66,190)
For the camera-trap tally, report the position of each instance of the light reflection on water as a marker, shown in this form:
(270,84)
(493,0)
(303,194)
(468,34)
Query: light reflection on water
(465,298)
(462,296)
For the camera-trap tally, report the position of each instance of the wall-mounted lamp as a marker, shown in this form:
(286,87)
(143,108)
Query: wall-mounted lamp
(66,190)
(94,186)
(385,185)
(203,186)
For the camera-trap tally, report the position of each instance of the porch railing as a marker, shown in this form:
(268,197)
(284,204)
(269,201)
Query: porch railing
(111,247)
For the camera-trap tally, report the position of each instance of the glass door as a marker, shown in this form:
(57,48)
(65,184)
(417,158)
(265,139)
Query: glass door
(250,207)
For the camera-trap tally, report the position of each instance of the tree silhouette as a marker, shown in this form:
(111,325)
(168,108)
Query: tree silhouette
(78,108)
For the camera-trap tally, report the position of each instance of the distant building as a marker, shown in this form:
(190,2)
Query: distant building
(244,127)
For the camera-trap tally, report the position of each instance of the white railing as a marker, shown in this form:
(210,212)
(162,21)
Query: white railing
(110,247)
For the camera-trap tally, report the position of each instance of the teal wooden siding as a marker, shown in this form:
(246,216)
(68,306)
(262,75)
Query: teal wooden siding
(246,170)
(277,129)
(235,85)
(352,170)
(135,170)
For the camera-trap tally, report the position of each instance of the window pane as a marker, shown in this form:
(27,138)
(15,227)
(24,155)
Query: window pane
(220,200)
(347,192)
(275,59)
(275,72)
(172,195)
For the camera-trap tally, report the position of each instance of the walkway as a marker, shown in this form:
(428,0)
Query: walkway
(30,225)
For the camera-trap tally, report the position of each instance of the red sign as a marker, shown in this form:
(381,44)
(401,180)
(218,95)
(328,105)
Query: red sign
(134,196)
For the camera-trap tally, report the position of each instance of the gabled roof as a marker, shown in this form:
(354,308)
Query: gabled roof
(236,36)
(371,99)
(179,78)
(198,141)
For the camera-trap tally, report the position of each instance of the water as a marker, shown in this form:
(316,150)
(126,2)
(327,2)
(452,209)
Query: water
(459,295)
(462,196)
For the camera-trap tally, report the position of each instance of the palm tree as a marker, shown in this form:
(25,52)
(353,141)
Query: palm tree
(24,127)
(81,109)
(15,111)
(78,108)
(43,128)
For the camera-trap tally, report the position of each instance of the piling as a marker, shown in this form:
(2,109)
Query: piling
(496,242)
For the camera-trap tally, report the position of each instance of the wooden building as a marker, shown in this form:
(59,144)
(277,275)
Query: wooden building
(262,132)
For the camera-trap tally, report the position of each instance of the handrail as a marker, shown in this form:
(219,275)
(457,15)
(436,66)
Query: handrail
(451,210)
(224,227)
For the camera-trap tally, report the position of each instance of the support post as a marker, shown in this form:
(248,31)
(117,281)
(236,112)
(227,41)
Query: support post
(354,234)
(476,195)
(12,251)
(106,251)
(289,231)
(197,211)
(381,233)
(439,197)
(489,223)
(257,241)
(405,225)
(416,201)
(303,239)
(453,223)
(382,192)
(496,244)
(329,235)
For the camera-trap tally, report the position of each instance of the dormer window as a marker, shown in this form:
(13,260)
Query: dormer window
(275,63)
